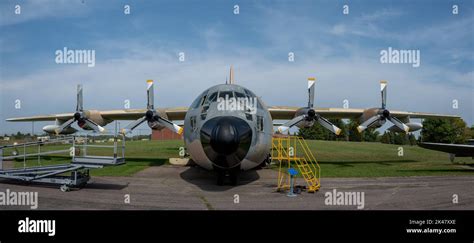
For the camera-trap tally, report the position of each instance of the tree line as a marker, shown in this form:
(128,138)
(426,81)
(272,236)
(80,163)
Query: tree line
(434,130)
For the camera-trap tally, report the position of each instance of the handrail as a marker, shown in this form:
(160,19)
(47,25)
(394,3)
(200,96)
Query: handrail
(28,144)
(75,141)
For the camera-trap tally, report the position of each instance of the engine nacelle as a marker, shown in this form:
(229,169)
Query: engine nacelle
(95,116)
(155,125)
(368,113)
(379,123)
(414,126)
(304,123)
(51,129)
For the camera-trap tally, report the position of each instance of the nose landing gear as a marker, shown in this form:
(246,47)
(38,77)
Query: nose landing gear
(233,174)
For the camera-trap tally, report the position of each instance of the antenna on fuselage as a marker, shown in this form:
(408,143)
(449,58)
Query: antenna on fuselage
(231,78)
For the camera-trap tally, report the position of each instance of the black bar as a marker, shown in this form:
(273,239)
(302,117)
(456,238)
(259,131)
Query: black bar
(238,225)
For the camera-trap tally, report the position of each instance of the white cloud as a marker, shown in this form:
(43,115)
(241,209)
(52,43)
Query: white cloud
(380,15)
(112,81)
(36,10)
(339,29)
(354,75)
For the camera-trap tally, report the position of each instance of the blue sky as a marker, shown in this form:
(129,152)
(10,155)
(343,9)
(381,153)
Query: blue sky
(342,51)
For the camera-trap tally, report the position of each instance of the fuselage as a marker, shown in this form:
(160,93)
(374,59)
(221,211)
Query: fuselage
(228,127)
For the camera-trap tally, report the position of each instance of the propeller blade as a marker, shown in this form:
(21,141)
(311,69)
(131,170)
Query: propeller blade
(64,125)
(149,94)
(170,125)
(398,123)
(290,123)
(94,125)
(328,125)
(311,84)
(133,125)
(383,90)
(79,105)
(369,122)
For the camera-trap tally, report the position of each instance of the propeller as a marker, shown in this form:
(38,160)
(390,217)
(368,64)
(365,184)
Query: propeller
(383,114)
(151,115)
(79,116)
(308,114)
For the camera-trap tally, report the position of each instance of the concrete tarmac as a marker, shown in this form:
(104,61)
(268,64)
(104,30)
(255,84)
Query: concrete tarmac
(191,188)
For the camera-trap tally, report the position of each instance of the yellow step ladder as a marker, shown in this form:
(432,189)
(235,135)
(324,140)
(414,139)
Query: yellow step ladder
(288,150)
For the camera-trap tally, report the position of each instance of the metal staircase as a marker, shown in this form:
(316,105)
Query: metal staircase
(293,150)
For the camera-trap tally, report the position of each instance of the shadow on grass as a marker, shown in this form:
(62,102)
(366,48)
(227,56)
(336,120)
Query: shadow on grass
(172,149)
(354,163)
(206,180)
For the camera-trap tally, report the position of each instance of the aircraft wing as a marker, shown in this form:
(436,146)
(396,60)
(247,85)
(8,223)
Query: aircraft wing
(288,112)
(175,113)
(277,113)
(457,149)
(402,114)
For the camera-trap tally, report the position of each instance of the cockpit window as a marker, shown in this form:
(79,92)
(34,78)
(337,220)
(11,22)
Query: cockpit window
(252,95)
(249,93)
(259,104)
(203,100)
(226,94)
(243,99)
(197,101)
(212,98)
(239,95)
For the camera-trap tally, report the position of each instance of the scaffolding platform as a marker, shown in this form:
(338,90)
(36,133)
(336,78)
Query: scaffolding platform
(97,160)
(73,174)
(52,175)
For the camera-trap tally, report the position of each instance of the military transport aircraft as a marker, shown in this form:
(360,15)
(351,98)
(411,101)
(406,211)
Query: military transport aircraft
(228,128)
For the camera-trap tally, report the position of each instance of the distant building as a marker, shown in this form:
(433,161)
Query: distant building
(80,139)
(6,138)
(165,134)
(43,139)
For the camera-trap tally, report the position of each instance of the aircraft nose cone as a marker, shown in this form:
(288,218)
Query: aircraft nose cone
(225,137)
(226,140)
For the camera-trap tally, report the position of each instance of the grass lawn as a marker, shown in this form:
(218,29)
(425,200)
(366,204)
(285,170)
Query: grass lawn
(352,159)
(337,159)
